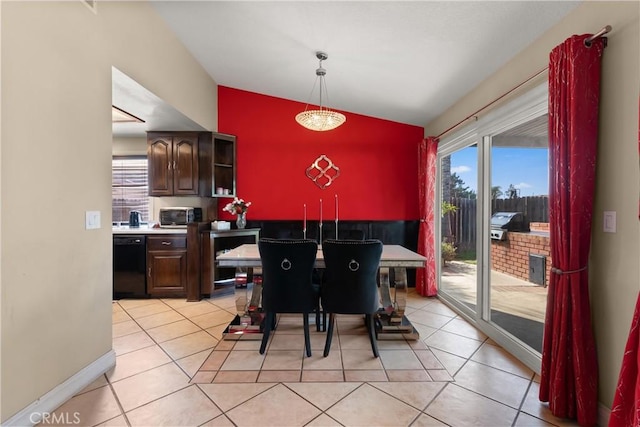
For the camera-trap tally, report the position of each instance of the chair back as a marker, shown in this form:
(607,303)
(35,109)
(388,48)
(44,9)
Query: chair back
(287,266)
(351,273)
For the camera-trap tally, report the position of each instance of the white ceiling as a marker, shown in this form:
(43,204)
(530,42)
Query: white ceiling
(401,61)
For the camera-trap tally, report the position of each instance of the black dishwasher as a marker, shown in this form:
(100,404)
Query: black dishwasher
(129,266)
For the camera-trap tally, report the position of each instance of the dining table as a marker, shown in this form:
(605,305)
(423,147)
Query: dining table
(391,320)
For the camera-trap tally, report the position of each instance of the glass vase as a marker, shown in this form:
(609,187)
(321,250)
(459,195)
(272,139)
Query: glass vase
(241,221)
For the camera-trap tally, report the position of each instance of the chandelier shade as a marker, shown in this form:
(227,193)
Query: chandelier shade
(321,119)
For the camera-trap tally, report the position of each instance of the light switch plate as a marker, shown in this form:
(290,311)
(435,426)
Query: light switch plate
(609,222)
(92,220)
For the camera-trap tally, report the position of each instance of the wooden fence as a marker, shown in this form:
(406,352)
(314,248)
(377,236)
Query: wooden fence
(459,227)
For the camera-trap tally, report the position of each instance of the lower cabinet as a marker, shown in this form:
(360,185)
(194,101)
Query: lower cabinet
(167,265)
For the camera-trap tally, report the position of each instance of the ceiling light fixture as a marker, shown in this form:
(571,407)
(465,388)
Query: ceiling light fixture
(323,118)
(121,116)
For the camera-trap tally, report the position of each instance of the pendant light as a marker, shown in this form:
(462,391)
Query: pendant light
(322,119)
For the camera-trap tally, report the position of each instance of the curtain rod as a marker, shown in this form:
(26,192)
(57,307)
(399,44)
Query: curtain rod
(587,43)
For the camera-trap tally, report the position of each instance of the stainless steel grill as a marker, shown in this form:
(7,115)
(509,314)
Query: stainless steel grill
(501,222)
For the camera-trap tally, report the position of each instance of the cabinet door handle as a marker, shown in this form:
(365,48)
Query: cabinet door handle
(174,165)
(166,243)
(149,272)
(169,165)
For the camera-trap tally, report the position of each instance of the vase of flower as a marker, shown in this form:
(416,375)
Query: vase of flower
(239,208)
(241,220)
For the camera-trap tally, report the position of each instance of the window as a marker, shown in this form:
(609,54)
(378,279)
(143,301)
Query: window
(129,187)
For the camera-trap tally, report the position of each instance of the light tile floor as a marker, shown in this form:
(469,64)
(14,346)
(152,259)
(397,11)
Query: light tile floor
(173,369)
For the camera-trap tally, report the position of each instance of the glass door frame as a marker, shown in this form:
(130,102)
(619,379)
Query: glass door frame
(526,107)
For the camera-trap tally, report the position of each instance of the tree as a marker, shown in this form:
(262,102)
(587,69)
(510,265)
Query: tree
(496,192)
(512,192)
(460,190)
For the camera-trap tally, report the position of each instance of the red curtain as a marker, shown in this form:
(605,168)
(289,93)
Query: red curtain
(626,403)
(426,277)
(569,377)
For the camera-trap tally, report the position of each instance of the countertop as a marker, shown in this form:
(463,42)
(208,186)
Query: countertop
(145,229)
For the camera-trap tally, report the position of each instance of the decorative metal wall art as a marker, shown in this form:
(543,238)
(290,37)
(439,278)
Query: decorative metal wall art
(323,172)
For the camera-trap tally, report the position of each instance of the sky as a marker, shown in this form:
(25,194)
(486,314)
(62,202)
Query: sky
(526,168)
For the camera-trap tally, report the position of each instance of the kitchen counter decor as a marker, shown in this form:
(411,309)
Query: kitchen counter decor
(238,207)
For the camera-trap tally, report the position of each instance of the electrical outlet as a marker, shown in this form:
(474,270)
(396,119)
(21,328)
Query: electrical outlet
(92,220)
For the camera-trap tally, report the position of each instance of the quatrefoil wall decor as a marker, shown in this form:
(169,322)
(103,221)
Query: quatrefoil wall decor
(323,172)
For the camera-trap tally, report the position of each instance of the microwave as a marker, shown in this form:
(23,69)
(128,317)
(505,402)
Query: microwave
(177,217)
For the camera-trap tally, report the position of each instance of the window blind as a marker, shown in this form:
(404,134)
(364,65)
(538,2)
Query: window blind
(129,187)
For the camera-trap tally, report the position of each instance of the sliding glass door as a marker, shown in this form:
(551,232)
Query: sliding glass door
(493,233)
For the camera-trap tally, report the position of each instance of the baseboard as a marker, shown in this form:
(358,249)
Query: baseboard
(32,414)
(604,414)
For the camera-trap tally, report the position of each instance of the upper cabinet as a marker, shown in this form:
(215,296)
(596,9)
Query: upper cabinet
(191,164)
(174,162)
(218,166)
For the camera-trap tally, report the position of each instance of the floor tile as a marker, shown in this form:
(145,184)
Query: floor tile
(214,361)
(493,383)
(159,319)
(286,342)
(97,383)
(525,420)
(125,328)
(318,361)
(464,328)
(498,358)
(278,376)
(364,375)
(427,421)
(120,316)
(90,408)
(323,395)
(213,318)
(219,421)
(439,307)
(353,342)
(360,359)
(277,407)
(322,376)
(428,318)
(283,360)
(323,420)
(133,303)
(418,395)
(239,360)
(408,375)
(217,331)
(228,396)
(457,406)
(399,359)
(439,375)
(132,342)
(187,407)
(137,361)
(147,310)
(236,377)
(369,406)
(140,389)
(452,343)
(428,359)
(191,364)
(172,330)
(194,309)
(451,362)
(189,344)
(119,421)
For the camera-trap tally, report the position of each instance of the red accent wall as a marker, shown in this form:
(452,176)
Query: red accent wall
(377,160)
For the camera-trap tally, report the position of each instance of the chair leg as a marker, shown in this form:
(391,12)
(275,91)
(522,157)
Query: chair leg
(327,344)
(307,339)
(372,334)
(268,323)
(318,329)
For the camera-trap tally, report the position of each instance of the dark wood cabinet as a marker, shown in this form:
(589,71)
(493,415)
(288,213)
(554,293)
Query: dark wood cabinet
(167,265)
(174,163)
(218,166)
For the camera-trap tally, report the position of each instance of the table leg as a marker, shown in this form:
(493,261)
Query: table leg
(400,283)
(385,291)
(393,324)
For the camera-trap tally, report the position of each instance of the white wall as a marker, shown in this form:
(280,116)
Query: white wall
(614,268)
(56,146)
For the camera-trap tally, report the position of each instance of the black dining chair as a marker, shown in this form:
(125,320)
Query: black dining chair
(287,266)
(350,283)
